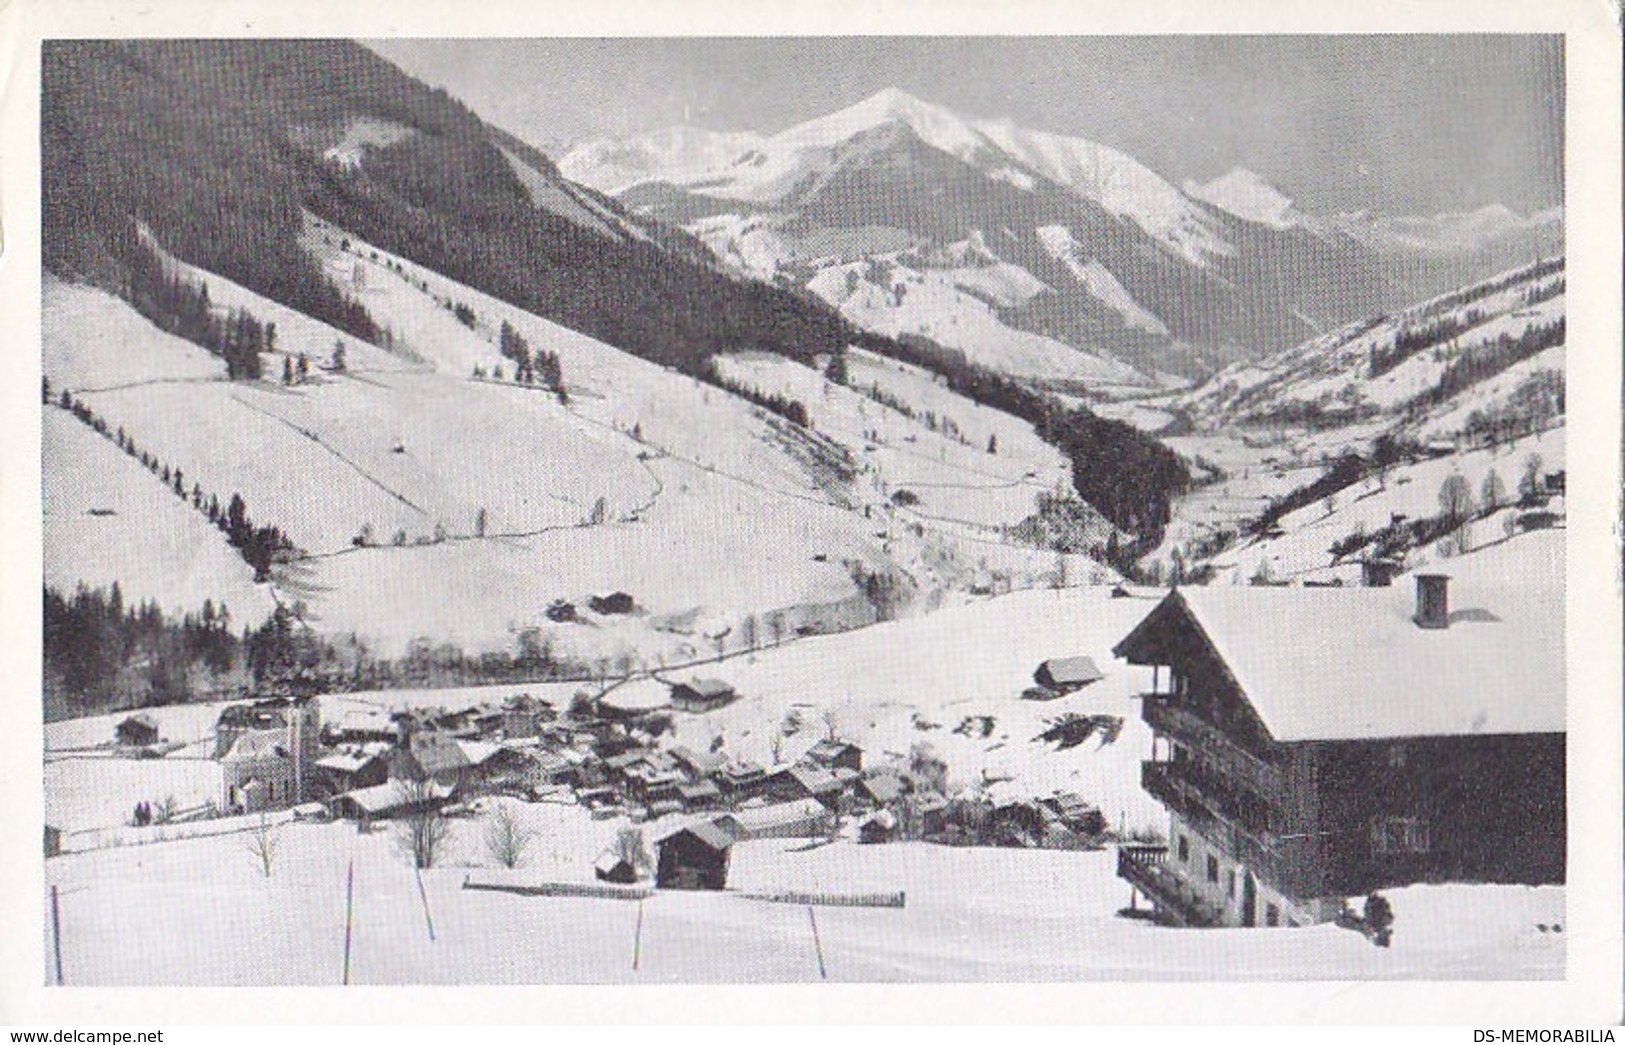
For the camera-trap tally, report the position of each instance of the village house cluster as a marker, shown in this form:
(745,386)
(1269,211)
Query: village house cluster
(1310,745)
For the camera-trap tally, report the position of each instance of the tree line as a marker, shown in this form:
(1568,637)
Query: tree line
(181,307)
(1127,475)
(258,545)
(99,651)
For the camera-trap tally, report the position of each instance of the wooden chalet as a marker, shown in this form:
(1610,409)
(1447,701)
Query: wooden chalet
(835,754)
(693,857)
(702,695)
(139,730)
(352,767)
(1315,745)
(803,780)
(807,818)
(431,755)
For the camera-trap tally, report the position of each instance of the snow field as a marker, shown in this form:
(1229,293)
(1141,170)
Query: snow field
(107,519)
(200,912)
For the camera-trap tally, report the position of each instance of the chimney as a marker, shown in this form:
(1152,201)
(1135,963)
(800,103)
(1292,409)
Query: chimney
(1432,600)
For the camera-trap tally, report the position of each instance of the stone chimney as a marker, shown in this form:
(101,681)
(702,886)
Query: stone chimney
(1432,600)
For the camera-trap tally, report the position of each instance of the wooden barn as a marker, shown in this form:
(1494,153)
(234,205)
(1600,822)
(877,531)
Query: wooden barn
(1316,744)
(694,857)
(1067,674)
(613,867)
(835,754)
(702,695)
(139,730)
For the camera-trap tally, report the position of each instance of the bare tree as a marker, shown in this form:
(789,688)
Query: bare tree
(1529,482)
(423,831)
(832,724)
(631,847)
(1493,493)
(262,842)
(1456,502)
(505,837)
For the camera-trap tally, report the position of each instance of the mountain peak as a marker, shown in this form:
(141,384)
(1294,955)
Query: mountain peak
(1246,195)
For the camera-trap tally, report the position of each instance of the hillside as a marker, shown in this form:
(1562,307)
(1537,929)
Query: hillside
(1327,443)
(432,503)
(1105,276)
(222,168)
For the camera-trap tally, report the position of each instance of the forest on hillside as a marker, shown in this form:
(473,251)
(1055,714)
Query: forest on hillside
(209,145)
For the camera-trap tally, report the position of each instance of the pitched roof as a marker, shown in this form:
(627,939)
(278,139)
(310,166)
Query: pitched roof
(816,779)
(761,818)
(708,687)
(477,752)
(1072,670)
(830,749)
(391,795)
(348,761)
(699,762)
(882,787)
(1350,664)
(141,719)
(437,752)
(708,833)
(258,743)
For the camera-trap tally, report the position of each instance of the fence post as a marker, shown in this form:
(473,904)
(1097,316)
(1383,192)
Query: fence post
(637,939)
(818,945)
(56,934)
(349,909)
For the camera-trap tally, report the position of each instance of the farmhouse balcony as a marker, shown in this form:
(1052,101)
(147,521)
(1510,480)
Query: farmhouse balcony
(1181,785)
(1181,724)
(1240,825)
(1145,867)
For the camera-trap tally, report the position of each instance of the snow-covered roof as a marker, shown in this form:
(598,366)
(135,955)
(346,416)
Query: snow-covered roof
(1072,670)
(258,743)
(392,794)
(348,761)
(1351,664)
(638,696)
(477,751)
(708,687)
(708,833)
(781,814)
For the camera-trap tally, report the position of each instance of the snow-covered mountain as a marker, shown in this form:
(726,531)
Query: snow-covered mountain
(1248,196)
(1132,279)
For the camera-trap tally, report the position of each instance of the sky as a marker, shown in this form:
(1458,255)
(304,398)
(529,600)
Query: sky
(1397,124)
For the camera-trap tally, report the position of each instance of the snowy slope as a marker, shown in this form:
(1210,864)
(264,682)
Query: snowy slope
(1248,196)
(408,451)
(108,519)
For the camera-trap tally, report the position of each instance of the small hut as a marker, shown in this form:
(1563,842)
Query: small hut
(1066,674)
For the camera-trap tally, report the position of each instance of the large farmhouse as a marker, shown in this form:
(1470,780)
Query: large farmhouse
(1317,744)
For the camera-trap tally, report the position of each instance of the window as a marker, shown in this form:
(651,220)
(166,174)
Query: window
(1230,885)
(1396,756)
(1184,850)
(1212,868)
(1400,834)
(1272,914)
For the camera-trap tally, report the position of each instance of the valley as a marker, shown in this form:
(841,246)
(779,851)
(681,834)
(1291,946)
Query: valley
(953,533)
